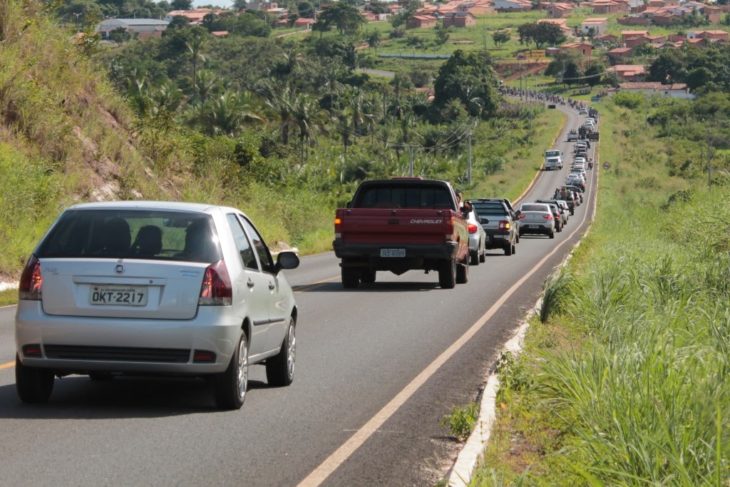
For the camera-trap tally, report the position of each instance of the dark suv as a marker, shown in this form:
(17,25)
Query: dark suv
(500,223)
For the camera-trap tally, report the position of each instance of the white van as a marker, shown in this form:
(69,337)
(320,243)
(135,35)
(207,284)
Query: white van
(553,160)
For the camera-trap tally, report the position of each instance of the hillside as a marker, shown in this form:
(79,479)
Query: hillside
(64,134)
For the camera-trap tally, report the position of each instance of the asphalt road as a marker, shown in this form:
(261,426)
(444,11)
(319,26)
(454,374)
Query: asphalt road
(357,349)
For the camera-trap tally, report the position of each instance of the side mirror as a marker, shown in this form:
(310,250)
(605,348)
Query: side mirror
(287,260)
(483,220)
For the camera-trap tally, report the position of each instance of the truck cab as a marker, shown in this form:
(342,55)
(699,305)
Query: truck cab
(553,160)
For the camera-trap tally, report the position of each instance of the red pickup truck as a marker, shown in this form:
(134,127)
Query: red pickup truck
(402,224)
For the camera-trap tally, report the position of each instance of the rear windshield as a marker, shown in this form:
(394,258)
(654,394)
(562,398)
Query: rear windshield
(133,234)
(542,208)
(552,153)
(404,196)
(489,208)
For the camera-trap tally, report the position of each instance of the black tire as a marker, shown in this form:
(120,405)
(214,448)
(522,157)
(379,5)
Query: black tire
(514,249)
(462,273)
(551,234)
(350,278)
(517,237)
(474,258)
(447,274)
(279,369)
(33,385)
(228,394)
(367,277)
(483,257)
(509,248)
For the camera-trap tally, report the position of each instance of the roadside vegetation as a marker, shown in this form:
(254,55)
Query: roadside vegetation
(624,376)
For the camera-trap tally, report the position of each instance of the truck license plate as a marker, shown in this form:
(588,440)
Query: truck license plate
(118,295)
(392,252)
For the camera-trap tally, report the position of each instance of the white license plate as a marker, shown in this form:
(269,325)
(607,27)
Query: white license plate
(392,252)
(118,295)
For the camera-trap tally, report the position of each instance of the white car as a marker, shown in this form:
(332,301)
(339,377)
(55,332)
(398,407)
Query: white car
(477,240)
(163,288)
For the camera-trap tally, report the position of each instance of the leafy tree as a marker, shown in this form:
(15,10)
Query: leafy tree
(344,17)
(469,78)
(240,4)
(668,67)
(181,4)
(305,9)
(373,39)
(593,74)
(442,34)
(501,37)
(119,35)
(540,34)
(226,114)
(571,74)
(698,77)
(178,22)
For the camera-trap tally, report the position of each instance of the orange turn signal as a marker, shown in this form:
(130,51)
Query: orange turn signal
(338,221)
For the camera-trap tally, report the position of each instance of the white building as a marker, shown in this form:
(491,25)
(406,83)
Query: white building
(141,27)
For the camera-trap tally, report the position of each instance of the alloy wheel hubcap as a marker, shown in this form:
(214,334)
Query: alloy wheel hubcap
(292,350)
(242,367)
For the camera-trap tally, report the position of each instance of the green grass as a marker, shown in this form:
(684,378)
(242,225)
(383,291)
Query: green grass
(521,163)
(629,370)
(8,297)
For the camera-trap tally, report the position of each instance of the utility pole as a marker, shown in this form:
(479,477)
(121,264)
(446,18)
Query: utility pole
(468,148)
(410,153)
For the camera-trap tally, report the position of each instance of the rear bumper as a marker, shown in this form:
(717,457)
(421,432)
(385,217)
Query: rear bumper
(536,228)
(81,344)
(498,240)
(417,256)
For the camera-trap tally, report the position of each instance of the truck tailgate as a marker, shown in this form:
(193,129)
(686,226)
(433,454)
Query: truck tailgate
(393,226)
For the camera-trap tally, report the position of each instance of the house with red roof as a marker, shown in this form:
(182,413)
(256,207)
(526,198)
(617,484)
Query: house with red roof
(674,90)
(619,54)
(597,25)
(421,22)
(628,72)
(459,19)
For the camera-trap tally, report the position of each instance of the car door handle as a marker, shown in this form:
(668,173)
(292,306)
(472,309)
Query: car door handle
(250,283)
(271,286)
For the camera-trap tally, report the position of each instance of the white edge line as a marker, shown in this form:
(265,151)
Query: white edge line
(473,451)
(346,449)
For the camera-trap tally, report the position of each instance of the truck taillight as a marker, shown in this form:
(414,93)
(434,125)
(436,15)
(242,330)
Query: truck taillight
(216,289)
(472,228)
(504,225)
(338,221)
(31,281)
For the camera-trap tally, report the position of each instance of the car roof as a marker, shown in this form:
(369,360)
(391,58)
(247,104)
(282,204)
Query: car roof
(149,205)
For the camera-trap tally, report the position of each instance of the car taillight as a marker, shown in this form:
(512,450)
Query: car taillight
(473,228)
(216,289)
(504,225)
(548,217)
(31,281)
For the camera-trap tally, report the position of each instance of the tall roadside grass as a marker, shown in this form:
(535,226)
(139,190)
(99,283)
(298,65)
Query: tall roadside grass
(630,366)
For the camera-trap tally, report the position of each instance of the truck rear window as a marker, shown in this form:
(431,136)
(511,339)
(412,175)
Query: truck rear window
(133,234)
(404,196)
(491,208)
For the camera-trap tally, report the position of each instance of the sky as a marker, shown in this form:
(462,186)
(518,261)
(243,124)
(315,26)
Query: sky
(218,3)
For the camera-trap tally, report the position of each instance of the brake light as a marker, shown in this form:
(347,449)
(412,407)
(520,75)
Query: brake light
(31,281)
(504,225)
(472,228)
(216,289)
(203,356)
(33,350)
(548,217)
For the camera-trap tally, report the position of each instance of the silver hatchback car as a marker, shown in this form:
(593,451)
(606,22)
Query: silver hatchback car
(154,288)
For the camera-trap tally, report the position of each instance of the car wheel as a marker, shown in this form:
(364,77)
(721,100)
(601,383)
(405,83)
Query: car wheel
(514,249)
(462,272)
(350,277)
(280,369)
(33,385)
(447,274)
(517,238)
(231,385)
(474,258)
(367,277)
(551,234)
(508,249)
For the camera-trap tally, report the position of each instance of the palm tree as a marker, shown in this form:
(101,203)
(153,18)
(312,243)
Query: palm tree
(280,100)
(194,45)
(307,117)
(226,114)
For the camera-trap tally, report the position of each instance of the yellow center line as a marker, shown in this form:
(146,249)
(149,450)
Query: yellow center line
(7,365)
(307,287)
